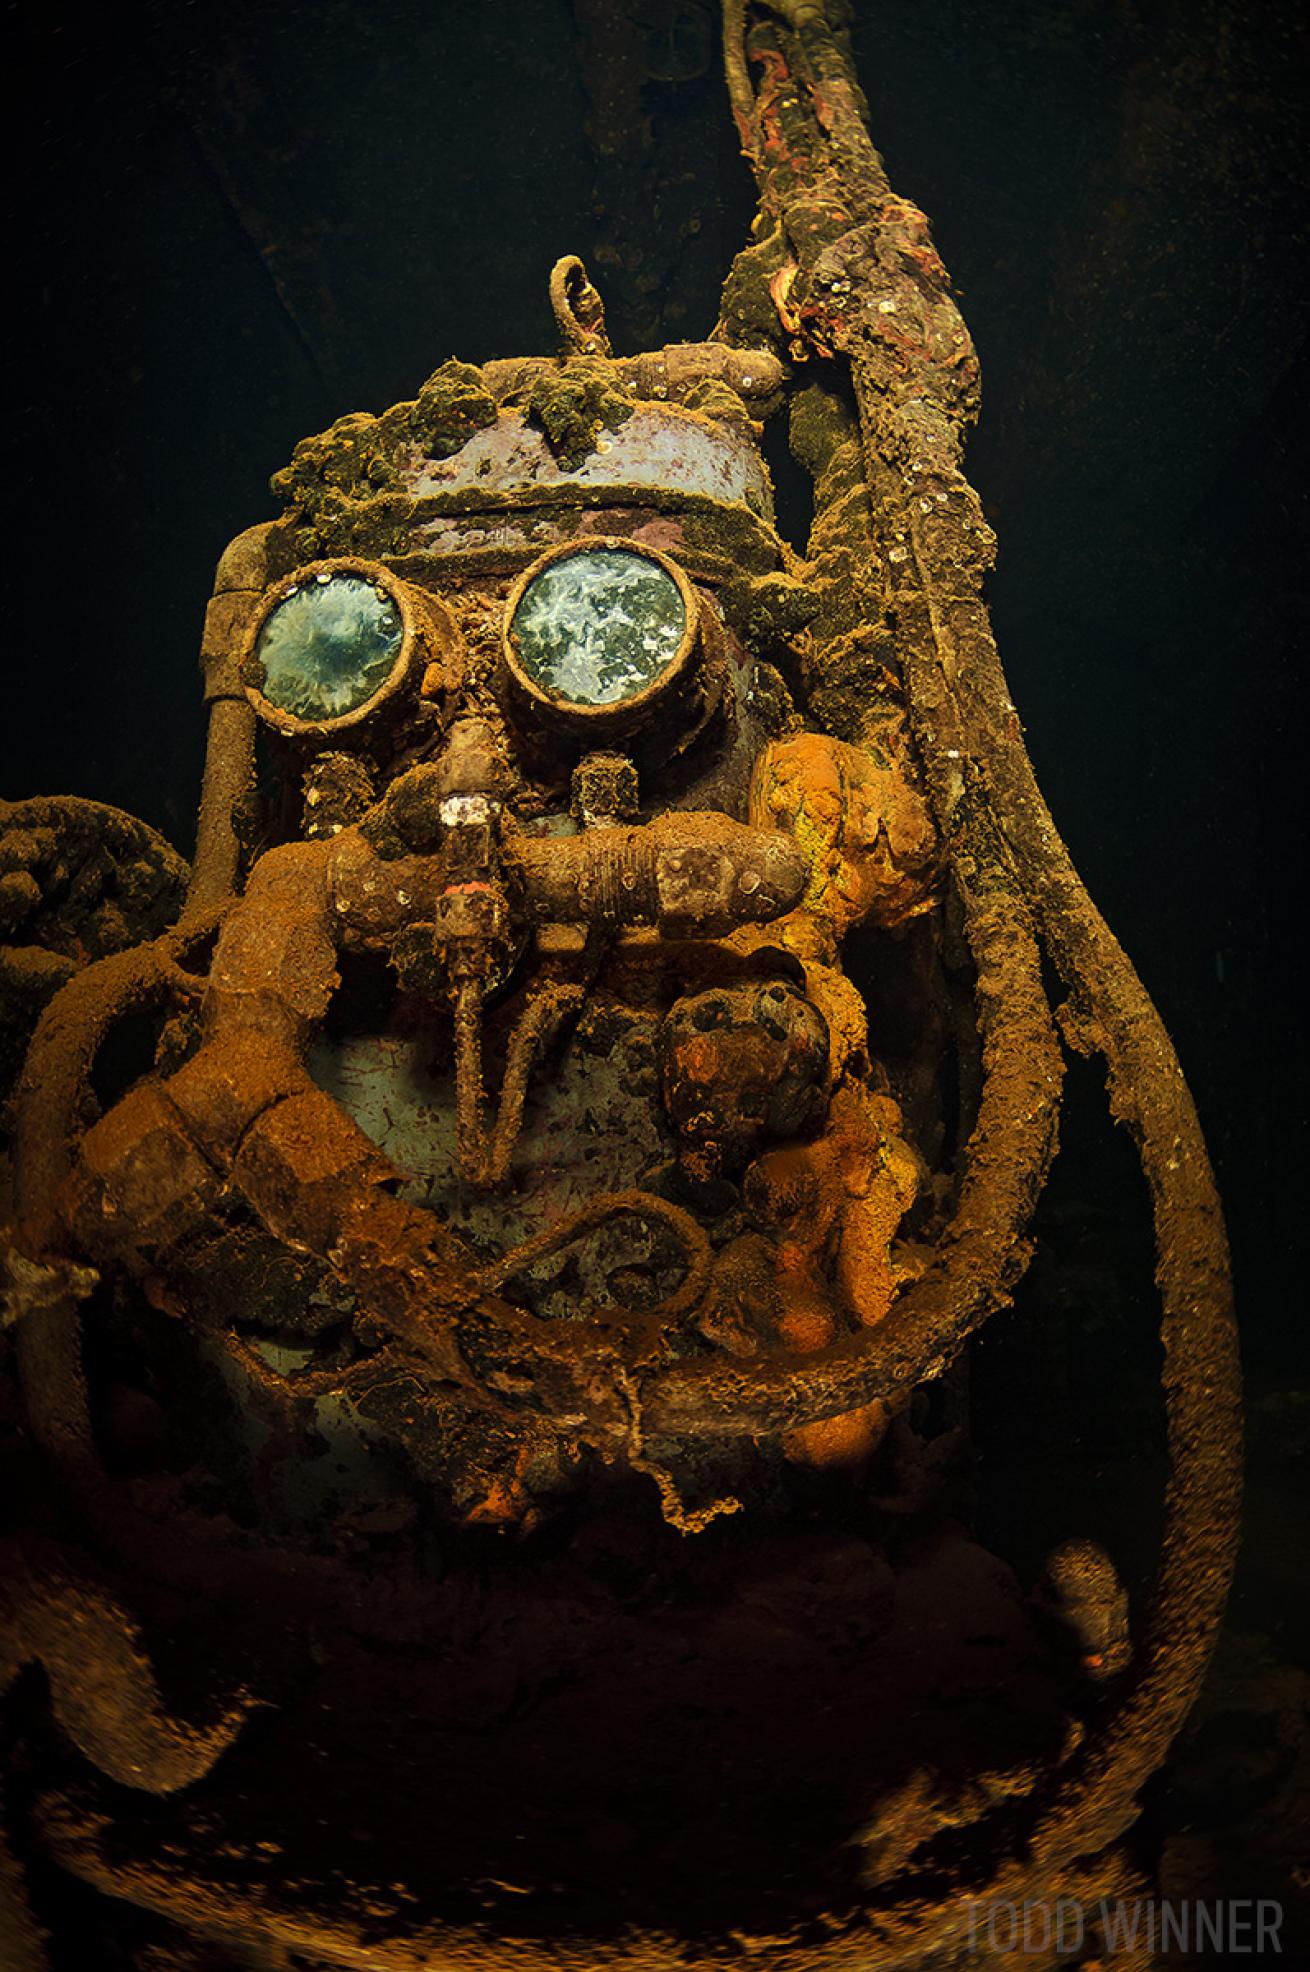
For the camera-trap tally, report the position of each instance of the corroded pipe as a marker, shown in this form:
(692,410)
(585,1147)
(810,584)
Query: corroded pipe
(63,1051)
(239,581)
(244,1106)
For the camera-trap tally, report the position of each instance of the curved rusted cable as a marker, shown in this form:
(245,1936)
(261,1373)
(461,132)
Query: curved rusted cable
(597,1212)
(68,1037)
(55,1612)
(294,1385)
(1110,1013)
(105,1694)
(350,1933)
(913,396)
(484,1159)
(537,1022)
(47,1297)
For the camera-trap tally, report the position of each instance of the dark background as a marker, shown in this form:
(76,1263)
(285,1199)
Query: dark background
(231,224)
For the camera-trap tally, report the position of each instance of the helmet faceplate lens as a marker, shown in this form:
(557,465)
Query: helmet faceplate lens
(599,626)
(326,648)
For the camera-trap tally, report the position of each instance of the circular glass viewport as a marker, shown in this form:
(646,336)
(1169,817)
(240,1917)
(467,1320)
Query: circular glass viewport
(599,626)
(328,647)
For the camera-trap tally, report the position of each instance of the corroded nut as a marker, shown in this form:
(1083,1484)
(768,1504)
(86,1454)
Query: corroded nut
(303,1166)
(140,1184)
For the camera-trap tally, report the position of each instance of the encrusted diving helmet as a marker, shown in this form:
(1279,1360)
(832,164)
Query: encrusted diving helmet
(503,1314)
(530,1104)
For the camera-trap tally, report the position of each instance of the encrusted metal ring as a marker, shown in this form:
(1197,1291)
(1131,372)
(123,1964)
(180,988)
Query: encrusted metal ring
(339,643)
(577,663)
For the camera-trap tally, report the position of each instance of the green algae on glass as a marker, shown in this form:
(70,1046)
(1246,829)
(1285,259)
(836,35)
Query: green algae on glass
(328,647)
(599,627)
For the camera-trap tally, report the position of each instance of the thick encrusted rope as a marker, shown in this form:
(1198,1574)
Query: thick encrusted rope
(863,284)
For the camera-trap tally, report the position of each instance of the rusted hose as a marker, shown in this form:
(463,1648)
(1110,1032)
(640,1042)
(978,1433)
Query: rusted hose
(68,1037)
(229,774)
(103,1688)
(485,1153)
(598,1212)
(914,379)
